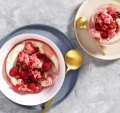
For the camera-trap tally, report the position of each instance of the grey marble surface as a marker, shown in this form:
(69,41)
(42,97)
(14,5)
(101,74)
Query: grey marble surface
(98,87)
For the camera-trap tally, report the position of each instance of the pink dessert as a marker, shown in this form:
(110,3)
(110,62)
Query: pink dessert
(35,66)
(104,25)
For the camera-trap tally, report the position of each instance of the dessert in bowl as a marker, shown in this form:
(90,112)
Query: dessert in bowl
(104,24)
(33,69)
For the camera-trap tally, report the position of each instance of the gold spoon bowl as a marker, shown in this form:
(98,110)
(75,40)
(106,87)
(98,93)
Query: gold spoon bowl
(82,22)
(73,59)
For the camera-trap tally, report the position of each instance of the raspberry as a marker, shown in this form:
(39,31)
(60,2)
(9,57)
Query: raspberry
(46,66)
(38,54)
(98,27)
(25,76)
(13,72)
(104,34)
(32,86)
(35,87)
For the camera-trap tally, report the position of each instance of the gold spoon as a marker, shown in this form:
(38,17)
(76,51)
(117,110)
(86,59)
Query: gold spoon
(82,22)
(73,60)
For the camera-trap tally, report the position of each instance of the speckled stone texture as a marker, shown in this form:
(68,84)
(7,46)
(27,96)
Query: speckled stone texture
(98,87)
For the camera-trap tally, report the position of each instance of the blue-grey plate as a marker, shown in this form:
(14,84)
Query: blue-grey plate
(63,43)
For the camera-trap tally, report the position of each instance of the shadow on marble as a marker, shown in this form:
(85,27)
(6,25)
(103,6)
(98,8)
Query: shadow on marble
(70,27)
(101,63)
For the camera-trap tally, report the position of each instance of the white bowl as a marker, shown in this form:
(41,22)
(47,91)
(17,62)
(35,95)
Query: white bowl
(30,99)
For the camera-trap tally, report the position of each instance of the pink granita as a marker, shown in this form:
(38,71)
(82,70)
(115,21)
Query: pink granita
(36,74)
(35,62)
(29,47)
(23,57)
(105,24)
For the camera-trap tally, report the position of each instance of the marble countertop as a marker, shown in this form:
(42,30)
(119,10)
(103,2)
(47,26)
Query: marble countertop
(98,87)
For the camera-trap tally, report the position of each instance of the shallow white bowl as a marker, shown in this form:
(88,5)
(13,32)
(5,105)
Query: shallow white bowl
(30,99)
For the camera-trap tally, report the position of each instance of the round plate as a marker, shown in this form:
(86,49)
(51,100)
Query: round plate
(63,43)
(85,40)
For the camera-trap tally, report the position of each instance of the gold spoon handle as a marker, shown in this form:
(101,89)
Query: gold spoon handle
(48,103)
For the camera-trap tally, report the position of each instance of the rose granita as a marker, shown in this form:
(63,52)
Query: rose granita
(104,25)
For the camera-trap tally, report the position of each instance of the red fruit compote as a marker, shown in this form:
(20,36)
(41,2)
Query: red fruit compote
(31,66)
